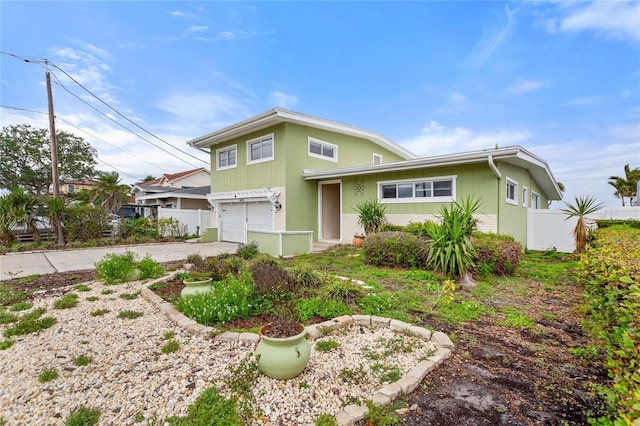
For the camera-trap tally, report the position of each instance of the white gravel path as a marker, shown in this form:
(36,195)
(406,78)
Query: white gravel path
(129,377)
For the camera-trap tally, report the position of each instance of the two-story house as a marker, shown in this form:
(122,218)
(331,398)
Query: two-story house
(283,179)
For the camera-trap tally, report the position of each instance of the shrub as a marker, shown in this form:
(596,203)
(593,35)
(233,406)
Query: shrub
(371,215)
(394,249)
(149,268)
(84,223)
(607,223)
(344,291)
(271,280)
(496,254)
(217,267)
(115,268)
(418,228)
(228,300)
(248,251)
(327,309)
(306,276)
(610,273)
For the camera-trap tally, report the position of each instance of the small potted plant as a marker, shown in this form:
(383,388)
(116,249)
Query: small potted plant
(371,215)
(358,240)
(283,351)
(195,282)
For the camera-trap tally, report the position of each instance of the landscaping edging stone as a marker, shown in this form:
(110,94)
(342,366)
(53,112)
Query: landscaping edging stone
(351,413)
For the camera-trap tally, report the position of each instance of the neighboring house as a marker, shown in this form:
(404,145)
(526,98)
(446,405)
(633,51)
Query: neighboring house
(281,177)
(184,190)
(71,187)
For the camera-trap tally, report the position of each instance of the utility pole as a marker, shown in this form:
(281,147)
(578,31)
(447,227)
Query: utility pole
(54,155)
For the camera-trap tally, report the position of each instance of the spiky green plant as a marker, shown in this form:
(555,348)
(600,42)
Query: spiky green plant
(583,206)
(371,215)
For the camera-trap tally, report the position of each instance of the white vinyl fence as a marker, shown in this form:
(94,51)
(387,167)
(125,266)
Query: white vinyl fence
(195,221)
(550,229)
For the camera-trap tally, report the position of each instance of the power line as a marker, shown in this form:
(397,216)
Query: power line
(92,135)
(45,63)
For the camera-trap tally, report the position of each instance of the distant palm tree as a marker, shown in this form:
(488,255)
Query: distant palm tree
(625,186)
(583,207)
(20,209)
(55,209)
(108,192)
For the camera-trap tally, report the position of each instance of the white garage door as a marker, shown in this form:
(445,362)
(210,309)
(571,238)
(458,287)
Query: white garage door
(234,217)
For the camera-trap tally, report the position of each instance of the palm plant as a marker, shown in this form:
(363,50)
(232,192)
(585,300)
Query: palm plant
(55,209)
(625,186)
(108,192)
(6,221)
(21,211)
(450,247)
(583,206)
(371,215)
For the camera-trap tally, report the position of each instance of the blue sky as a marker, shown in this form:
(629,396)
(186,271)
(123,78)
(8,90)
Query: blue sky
(561,79)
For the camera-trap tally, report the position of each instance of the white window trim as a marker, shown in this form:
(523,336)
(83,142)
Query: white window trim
(536,195)
(260,139)
(323,143)
(431,199)
(377,156)
(226,148)
(525,196)
(509,200)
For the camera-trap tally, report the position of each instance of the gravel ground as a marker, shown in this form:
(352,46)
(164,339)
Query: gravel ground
(129,376)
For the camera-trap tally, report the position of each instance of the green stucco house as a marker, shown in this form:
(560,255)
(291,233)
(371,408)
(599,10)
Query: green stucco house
(286,179)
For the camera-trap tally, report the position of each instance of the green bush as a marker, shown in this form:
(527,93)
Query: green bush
(610,273)
(496,254)
(327,309)
(84,223)
(228,300)
(271,280)
(117,268)
(607,223)
(149,268)
(395,249)
(306,276)
(248,251)
(418,228)
(344,291)
(376,304)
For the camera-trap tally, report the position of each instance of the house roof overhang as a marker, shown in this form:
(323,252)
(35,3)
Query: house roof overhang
(278,115)
(515,155)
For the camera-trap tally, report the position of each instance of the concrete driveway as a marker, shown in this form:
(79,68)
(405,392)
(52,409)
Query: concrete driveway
(16,265)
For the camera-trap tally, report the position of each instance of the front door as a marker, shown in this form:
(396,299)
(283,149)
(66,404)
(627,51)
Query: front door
(330,208)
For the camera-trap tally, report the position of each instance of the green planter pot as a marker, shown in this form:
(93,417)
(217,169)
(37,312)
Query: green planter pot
(195,287)
(283,357)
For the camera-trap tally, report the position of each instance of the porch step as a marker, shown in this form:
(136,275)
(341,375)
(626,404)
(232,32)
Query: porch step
(319,246)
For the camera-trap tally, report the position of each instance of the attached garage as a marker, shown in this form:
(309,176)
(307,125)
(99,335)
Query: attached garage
(236,218)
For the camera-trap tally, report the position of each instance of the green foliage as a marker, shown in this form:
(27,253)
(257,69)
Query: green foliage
(515,318)
(228,300)
(496,254)
(10,295)
(380,416)
(626,223)
(419,229)
(106,291)
(325,419)
(463,311)
(99,312)
(6,344)
(376,304)
(30,323)
(48,374)
(68,301)
(129,296)
(306,276)
(248,251)
(326,345)
(171,227)
(271,280)
(117,268)
(83,416)
(84,223)
(610,273)
(399,249)
(81,287)
(168,335)
(451,249)
(82,360)
(327,309)
(583,206)
(343,291)
(210,408)
(130,314)
(171,346)
(387,373)
(371,215)
(7,317)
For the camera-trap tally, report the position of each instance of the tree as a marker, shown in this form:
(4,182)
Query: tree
(108,192)
(18,211)
(148,179)
(625,186)
(26,158)
(583,207)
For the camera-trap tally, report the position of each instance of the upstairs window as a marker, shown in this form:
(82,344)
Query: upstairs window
(71,189)
(377,159)
(418,191)
(512,192)
(260,149)
(323,150)
(226,157)
(535,200)
(525,196)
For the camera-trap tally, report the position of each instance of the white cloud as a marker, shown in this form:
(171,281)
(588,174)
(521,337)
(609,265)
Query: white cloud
(435,139)
(615,20)
(212,109)
(524,86)
(583,101)
(457,97)
(281,99)
(196,28)
(491,39)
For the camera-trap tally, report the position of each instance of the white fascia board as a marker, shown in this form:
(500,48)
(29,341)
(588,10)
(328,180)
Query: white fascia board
(278,115)
(167,194)
(267,193)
